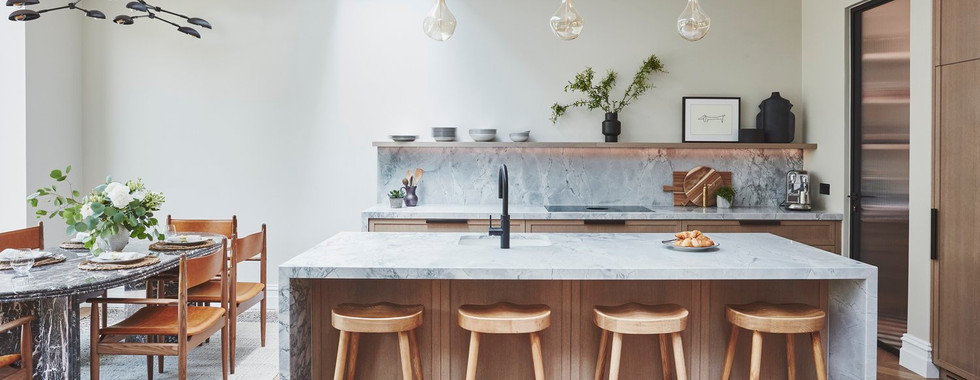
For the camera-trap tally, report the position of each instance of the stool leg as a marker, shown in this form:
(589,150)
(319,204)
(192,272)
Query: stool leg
(664,356)
(818,356)
(474,355)
(536,356)
(405,348)
(355,340)
(600,362)
(756,369)
(790,358)
(679,356)
(416,358)
(617,351)
(730,354)
(338,372)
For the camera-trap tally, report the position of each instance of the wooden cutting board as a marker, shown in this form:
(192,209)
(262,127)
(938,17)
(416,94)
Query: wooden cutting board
(688,186)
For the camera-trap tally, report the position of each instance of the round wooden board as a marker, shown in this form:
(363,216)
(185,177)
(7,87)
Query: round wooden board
(696,180)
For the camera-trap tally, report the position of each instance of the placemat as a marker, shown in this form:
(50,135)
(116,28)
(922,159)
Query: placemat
(167,247)
(88,265)
(38,263)
(73,246)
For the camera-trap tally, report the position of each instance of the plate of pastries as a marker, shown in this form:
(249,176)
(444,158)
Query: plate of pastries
(691,241)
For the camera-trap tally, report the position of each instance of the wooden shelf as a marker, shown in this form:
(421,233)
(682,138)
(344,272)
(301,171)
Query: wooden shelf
(583,145)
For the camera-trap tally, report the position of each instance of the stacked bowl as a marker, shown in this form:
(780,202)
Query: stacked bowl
(444,133)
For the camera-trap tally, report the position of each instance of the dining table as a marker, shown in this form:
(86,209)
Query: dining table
(54,293)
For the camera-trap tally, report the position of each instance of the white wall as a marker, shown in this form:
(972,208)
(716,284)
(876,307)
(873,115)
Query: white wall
(271,115)
(13,126)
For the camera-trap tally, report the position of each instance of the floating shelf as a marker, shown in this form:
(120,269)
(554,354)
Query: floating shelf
(627,145)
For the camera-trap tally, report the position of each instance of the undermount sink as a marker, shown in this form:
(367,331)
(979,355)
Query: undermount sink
(560,208)
(515,241)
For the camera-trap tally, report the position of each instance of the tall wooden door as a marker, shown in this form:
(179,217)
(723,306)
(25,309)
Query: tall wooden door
(956,180)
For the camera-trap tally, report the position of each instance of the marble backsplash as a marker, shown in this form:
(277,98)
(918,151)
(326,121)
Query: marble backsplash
(581,176)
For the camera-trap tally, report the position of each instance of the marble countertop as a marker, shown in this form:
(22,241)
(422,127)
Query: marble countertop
(376,255)
(539,212)
(65,279)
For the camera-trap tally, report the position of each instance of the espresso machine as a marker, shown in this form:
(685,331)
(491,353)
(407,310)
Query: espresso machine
(797,190)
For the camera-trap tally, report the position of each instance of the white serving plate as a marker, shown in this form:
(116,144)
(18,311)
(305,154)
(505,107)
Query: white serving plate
(118,257)
(670,244)
(184,239)
(403,138)
(9,254)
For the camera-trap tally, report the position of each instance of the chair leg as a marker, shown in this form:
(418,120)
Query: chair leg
(665,356)
(405,351)
(617,351)
(158,288)
(149,358)
(473,356)
(233,340)
(600,362)
(94,344)
(730,354)
(536,356)
(790,358)
(818,356)
(224,352)
(182,366)
(105,309)
(338,372)
(416,357)
(162,339)
(262,315)
(681,368)
(756,368)
(355,340)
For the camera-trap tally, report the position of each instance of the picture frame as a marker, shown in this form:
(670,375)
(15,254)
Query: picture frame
(711,119)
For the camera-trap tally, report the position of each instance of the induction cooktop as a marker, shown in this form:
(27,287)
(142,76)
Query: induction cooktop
(566,208)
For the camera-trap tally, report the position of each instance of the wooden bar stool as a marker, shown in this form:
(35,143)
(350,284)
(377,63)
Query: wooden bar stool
(789,319)
(504,318)
(638,319)
(384,317)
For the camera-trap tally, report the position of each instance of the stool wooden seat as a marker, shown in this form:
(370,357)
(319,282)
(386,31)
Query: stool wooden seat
(505,318)
(639,319)
(384,317)
(789,319)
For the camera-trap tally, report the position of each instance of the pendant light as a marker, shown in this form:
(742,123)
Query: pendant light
(149,10)
(25,14)
(566,23)
(439,24)
(693,23)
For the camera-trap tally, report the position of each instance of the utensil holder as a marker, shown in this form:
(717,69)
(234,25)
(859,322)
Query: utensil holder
(411,200)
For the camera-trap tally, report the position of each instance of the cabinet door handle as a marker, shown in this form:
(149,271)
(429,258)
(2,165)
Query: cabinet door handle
(605,222)
(759,222)
(446,221)
(934,244)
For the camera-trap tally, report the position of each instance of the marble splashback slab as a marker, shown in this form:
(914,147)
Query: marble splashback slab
(581,175)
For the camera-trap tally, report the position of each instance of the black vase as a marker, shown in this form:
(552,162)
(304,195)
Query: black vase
(776,119)
(612,127)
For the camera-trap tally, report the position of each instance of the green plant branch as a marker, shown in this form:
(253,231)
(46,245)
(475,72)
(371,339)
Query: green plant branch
(597,94)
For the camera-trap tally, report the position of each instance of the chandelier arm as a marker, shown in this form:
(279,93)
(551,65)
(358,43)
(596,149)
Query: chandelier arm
(169,12)
(166,21)
(53,9)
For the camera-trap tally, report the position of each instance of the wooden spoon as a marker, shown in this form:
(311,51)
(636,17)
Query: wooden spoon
(418,176)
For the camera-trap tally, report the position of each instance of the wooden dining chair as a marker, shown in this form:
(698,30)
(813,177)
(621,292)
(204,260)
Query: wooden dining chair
(247,294)
(18,366)
(162,317)
(30,237)
(225,227)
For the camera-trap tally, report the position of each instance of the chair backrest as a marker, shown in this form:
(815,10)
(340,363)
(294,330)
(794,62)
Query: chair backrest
(226,227)
(202,269)
(31,237)
(248,247)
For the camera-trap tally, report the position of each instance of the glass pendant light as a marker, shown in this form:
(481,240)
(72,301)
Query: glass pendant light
(566,22)
(440,23)
(693,23)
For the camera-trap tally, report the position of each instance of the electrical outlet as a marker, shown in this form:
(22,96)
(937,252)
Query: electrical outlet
(825,188)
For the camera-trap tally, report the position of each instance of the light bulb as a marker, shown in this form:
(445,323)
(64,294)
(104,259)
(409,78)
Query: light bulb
(440,23)
(693,23)
(566,22)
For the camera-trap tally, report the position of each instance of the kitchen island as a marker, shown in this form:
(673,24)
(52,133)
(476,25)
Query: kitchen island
(571,273)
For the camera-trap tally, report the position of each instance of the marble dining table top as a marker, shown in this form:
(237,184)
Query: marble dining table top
(66,279)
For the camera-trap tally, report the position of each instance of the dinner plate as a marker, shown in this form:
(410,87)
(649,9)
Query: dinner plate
(118,257)
(8,254)
(670,244)
(185,239)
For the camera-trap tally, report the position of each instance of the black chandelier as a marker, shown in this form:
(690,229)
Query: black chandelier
(149,11)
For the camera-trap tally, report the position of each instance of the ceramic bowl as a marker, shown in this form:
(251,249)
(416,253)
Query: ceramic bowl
(403,138)
(483,135)
(520,136)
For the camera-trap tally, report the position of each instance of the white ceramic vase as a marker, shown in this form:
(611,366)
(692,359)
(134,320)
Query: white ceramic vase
(119,241)
(723,203)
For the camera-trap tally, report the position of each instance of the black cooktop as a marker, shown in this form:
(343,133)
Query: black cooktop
(565,208)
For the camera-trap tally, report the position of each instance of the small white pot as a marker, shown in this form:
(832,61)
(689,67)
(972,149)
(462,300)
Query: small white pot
(722,202)
(396,202)
(119,241)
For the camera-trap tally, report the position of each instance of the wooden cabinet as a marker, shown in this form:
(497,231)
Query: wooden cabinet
(438,225)
(822,234)
(959,30)
(603,226)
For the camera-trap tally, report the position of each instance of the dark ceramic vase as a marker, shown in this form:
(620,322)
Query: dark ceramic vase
(776,119)
(411,199)
(612,127)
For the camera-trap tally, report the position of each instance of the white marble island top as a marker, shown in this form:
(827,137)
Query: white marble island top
(375,255)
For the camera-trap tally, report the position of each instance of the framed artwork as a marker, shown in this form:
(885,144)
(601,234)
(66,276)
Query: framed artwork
(711,119)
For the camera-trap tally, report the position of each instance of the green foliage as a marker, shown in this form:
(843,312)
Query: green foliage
(396,194)
(726,192)
(597,94)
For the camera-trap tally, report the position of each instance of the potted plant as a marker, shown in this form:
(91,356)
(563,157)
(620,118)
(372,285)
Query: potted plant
(113,211)
(396,197)
(725,196)
(597,94)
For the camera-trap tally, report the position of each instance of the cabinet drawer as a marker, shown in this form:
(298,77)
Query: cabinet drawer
(438,225)
(603,226)
(815,233)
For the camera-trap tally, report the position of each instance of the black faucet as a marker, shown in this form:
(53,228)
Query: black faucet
(503,231)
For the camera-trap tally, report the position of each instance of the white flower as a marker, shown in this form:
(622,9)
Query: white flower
(118,194)
(139,195)
(87,210)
